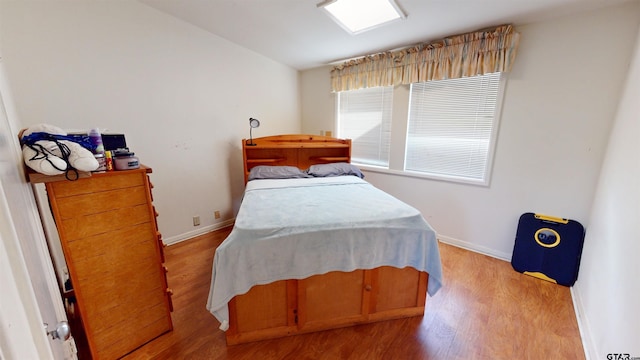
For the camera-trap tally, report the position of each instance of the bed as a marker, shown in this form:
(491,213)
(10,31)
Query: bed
(316,247)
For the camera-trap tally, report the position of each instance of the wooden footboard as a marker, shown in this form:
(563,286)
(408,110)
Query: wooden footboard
(321,302)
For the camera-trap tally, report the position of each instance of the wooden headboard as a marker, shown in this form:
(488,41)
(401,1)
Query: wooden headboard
(301,151)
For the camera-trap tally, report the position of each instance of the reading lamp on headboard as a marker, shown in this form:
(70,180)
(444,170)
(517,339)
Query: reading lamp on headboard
(253,123)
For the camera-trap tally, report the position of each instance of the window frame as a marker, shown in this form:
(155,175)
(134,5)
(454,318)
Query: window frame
(400,121)
(385,89)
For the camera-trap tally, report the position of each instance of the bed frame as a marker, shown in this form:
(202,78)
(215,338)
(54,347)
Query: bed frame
(320,302)
(294,150)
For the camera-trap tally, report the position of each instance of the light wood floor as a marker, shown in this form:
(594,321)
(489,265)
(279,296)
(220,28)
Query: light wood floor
(485,310)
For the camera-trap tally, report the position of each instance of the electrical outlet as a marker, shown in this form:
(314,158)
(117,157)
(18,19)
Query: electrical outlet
(196,220)
(216,214)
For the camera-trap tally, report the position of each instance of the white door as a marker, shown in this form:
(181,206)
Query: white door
(26,264)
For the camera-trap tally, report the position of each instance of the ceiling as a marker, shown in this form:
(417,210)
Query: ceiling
(298,34)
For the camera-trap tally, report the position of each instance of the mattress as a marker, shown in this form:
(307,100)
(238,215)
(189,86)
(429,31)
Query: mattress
(296,228)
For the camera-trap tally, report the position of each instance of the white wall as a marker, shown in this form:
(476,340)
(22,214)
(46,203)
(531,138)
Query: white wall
(181,95)
(558,108)
(318,102)
(608,290)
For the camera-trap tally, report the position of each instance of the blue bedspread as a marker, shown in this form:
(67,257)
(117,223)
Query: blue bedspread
(295,228)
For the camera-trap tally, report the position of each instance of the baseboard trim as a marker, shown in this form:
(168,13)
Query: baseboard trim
(200,231)
(583,325)
(475,248)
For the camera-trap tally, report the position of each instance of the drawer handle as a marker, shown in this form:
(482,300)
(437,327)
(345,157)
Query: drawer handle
(170,293)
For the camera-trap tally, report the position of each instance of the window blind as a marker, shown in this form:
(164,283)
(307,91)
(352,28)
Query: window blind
(364,116)
(450,128)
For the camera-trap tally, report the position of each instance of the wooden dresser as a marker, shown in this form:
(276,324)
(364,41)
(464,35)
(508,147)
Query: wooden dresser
(114,253)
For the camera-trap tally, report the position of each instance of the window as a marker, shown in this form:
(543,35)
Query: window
(451,126)
(364,116)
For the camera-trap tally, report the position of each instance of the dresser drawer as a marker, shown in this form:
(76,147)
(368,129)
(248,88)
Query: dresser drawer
(114,252)
(99,182)
(85,226)
(127,335)
(87,204)
(113,294)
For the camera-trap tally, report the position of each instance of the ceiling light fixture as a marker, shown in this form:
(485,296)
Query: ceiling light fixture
(357,16)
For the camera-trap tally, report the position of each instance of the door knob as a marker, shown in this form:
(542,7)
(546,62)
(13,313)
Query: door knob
(62,331)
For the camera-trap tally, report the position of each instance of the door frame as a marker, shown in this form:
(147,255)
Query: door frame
(22,335)
(28,269)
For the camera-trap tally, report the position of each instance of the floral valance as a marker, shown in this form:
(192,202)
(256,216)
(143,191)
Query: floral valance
(475,53)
